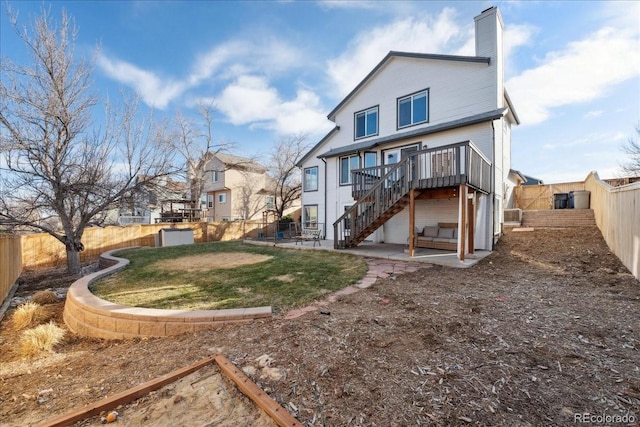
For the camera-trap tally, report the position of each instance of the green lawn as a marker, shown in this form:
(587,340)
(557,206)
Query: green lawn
(290,278)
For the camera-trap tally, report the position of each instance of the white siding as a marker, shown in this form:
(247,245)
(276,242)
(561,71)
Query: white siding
(456,90)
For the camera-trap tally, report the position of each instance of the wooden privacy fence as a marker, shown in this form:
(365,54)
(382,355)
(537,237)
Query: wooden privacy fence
(10,263)
(43,250)
(617,213)
(540,197)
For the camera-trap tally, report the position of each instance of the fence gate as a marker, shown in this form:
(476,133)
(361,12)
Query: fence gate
(541,197)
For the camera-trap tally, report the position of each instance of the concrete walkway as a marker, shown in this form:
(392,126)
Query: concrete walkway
(386,251)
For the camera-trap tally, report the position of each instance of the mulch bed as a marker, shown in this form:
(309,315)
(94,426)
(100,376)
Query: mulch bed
(540,332)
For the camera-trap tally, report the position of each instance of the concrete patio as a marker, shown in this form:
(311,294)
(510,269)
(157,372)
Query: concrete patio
(384,250)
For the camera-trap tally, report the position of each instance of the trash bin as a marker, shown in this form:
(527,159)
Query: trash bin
(581,199)
(570,206)
(560,200)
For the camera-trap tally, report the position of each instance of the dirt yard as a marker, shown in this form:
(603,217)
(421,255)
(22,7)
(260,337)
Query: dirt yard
(542,331)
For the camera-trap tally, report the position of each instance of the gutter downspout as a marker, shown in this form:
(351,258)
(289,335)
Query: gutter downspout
(325,197)
(493,190)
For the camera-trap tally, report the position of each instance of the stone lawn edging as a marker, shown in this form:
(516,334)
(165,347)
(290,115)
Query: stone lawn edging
(88,315)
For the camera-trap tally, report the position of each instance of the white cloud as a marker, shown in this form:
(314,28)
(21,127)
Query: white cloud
(350,4)
(416,34)
(251,101)
(592,114)
(584,70)
(268,55)
(515,36)
(596,139)
(154,91)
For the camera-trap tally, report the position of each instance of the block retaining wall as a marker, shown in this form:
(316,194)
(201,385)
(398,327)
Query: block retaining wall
(87,315)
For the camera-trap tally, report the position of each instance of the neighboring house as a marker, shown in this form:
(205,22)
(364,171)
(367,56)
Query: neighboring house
(423,139)
(514,179)
(149,204)
(236,188)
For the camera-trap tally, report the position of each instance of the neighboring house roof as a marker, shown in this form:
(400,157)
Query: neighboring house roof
(394,54)
(532,181)
(518,175)
(365,145)
(165,183)
(528,180)
(240,162)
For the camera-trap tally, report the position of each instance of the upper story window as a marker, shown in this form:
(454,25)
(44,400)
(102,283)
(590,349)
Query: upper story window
(311,179)
(366,123)
(413,109)
(216,175)
(347,164)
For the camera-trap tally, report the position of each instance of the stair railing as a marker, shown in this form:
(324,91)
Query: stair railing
(388,189)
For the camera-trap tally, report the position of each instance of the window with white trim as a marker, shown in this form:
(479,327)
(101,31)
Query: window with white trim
(366,123)
(215,176)
(222,198)
(210,200)
(310,216)
(413,109)
(347,164)
(311,179)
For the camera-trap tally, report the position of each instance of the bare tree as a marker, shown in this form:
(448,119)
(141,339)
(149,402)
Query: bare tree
(282,168)
(62,172)
(631,166)
(195,145)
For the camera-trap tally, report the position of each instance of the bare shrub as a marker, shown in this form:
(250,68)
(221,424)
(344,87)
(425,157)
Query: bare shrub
(27,315)
(44,297)
(41,338)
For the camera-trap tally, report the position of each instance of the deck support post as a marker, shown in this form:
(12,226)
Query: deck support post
(472,211)
(462,222)
(412,221)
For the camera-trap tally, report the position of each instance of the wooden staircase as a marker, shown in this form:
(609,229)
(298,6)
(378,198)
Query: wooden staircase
(380,192)
(379,220)
(558,218)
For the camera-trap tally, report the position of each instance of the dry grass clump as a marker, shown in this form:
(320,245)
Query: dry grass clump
(28,314)
(44,297)
(41,338)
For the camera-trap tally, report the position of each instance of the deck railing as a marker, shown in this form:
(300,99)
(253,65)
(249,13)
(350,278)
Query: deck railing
(382,190)
(446,166)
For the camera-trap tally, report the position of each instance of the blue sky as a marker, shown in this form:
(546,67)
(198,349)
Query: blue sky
(276,68)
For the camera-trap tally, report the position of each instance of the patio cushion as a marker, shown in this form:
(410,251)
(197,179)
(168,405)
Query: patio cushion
(425,239)
(445,233)
(430,231)
(442,239)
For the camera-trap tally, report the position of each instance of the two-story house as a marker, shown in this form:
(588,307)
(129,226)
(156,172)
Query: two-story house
(236,188)
(424,140)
